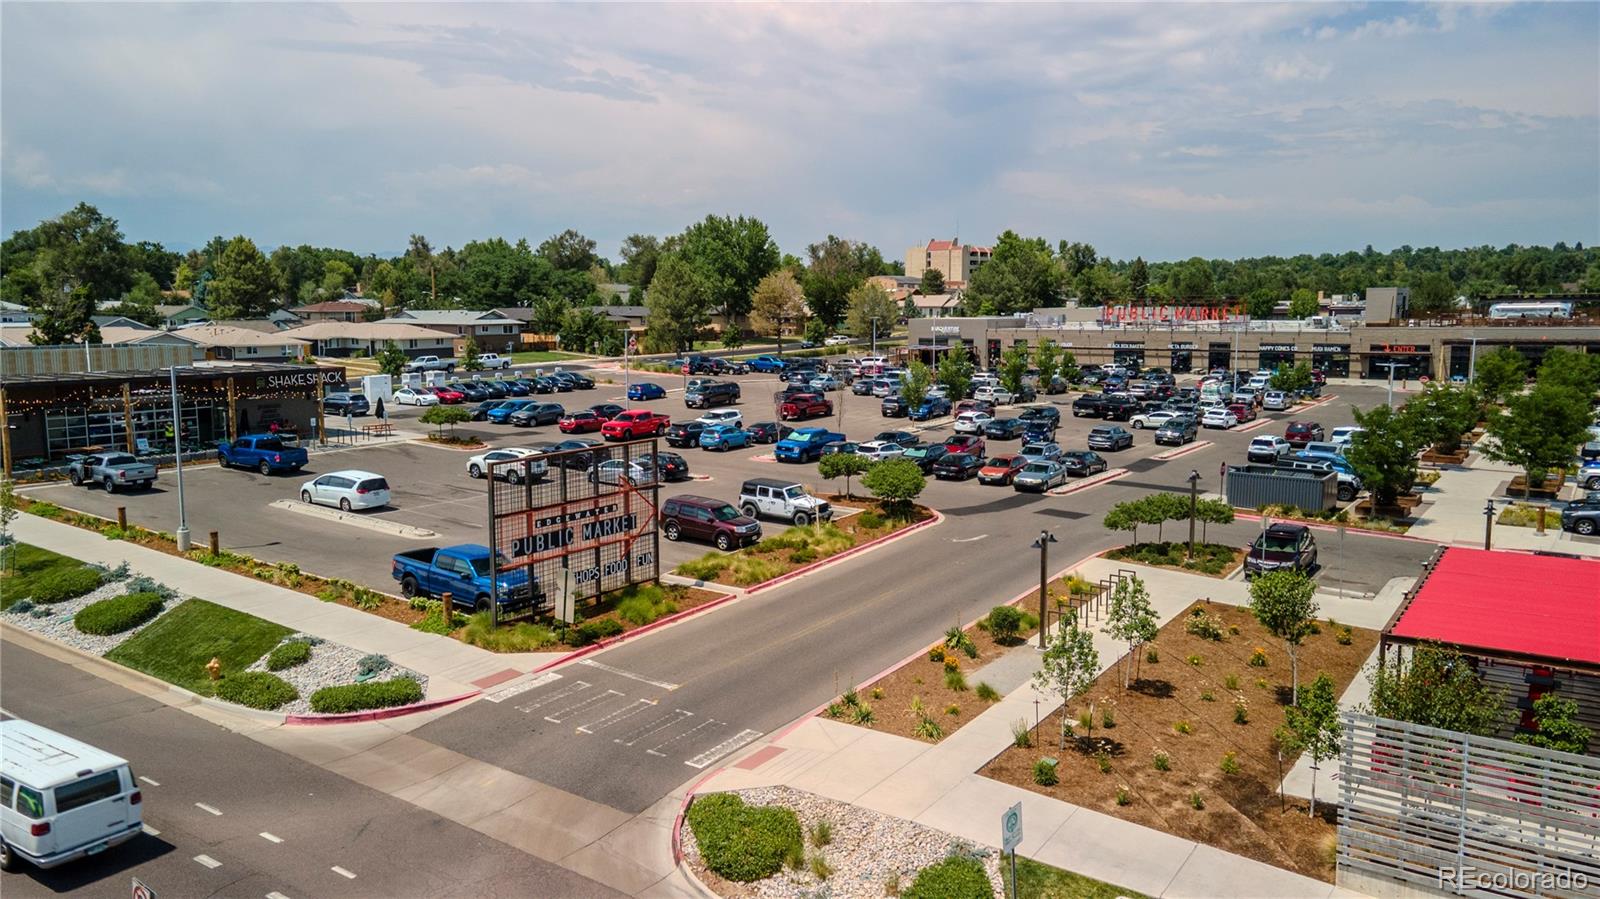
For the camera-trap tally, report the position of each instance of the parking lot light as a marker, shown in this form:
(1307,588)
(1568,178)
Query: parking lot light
(1194,482)
(182,535)
(1042,544)
(1488,524)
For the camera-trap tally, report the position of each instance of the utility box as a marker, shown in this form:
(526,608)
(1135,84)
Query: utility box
(1254,486)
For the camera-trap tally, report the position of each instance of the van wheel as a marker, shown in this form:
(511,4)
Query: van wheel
(801,519)
(344,505)
(724,543)
(671,531)
(408,586)
(8,862)
(748,510)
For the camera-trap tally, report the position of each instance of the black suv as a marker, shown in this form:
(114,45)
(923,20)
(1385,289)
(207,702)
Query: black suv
(1282,546)
(1042,413)
(345,404)
(1090,405)
(1118,407)
(904,438)
(704,365)
(717,393)
(685,433)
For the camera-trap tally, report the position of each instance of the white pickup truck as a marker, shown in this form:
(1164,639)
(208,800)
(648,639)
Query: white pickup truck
(431,363)
(492,361)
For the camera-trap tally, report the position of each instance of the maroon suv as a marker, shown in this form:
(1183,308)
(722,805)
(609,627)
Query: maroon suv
(1300,433)
(710,520)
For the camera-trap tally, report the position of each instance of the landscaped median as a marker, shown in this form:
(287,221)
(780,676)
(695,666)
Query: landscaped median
(199,646)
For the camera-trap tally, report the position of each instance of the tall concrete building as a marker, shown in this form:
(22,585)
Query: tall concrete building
(954,259)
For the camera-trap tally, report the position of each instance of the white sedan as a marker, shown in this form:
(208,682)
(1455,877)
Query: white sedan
(478,465)
(879,450)
(1217,417)
(415,396)
(825,383)
(837,340)
(1153,419)
(972,422)
(351,489)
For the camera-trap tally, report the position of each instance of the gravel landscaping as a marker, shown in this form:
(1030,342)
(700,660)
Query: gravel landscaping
(331,665)
(866,851)
(58,624)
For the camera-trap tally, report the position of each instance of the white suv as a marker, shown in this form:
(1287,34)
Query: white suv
(781,499)
(714,417)
(1267,449)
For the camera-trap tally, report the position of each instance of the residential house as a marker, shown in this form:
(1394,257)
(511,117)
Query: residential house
(245,344)
(14,313)
(939,305)
(333,338)
(117,332)
(494,331)
(333,311)
(182,314)
(898,287)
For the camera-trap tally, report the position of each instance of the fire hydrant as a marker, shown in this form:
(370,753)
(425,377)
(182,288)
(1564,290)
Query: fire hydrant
(214,668)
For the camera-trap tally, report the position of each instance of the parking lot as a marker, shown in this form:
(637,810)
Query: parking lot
(431,489)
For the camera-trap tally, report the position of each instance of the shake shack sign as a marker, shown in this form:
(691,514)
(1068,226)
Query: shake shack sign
(310,377)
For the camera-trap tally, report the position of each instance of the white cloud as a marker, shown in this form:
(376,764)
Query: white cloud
(1298,68)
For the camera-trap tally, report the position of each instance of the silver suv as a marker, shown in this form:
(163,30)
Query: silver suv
(788,500)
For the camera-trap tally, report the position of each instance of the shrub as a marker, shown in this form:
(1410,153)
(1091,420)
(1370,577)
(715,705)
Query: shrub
(1196,661)
(257,690)
(644,606)
(1152,656)
(1231,682)
(822,833)
(952,710)
(1123,796)
(1206,627)
(419,603)
(1004,623)
(986,692)
(1044,773)
(707,567)
(794,858)
(1233,629)
(372,664)
(740,842)
(927,729)
(519,637)
(1108,717)
(936,654)
(307,639)
(1021,736)
(954,878)
(1197,801)
(870,520)
(1344,636)
(1182,727)
(834,710)
(113,616)
(21,606)
(802,556)
(955,680)
(877,692)
(862,715)
(288,655)
(1230,763)
(951,662)
(1241,711)
(64,584)
(370,695)
(593,631)
(1258,658)
(850,697)
(1207,696)
(819,867)
(1103,762)
(436,621)
(365,599)
(1162,761)
(956,638)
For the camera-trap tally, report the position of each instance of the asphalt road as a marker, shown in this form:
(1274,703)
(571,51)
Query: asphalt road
(318,822)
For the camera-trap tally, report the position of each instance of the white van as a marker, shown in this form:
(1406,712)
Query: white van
(61,799)
(1344,434)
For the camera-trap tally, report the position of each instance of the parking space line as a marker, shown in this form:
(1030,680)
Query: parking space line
(504,693)
(276,895)
(628,674)
(656,750)
(659,725)
(208,861)
(269,837)
(343,873)
(721,749)
(580,705)
(206,808)
(153,783)
(627,711)
(151,831)
(577,687)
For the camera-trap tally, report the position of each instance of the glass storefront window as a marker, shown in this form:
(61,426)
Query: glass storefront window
(1182,362)
(103,425)
(1274,359)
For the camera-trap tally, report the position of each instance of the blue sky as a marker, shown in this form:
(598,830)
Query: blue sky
(1155,129)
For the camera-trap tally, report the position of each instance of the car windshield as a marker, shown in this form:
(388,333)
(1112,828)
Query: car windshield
(1036,468)
(794,492)
(726,513)
(1278,544)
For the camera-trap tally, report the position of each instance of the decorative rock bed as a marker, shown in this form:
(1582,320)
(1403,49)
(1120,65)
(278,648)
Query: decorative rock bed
(58,626)
(330,665)
(867,848)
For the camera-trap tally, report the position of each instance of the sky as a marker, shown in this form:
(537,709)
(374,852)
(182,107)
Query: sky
(1165,130)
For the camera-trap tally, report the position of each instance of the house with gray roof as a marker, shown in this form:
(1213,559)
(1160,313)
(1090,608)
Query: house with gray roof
(493,330)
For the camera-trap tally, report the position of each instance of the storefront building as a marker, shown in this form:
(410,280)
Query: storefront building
(49,417)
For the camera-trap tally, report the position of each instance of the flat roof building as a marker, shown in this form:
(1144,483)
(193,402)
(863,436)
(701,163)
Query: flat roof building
(954,259)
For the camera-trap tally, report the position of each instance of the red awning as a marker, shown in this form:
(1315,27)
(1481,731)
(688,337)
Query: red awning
(1509,602)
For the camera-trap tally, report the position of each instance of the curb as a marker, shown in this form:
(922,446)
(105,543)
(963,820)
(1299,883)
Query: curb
(380,525)
(932,520)
(377,714)
(1104,477)
(609,642)
(1181,451)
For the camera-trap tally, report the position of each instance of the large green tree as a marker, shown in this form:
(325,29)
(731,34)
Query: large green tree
(1302,303)
(640,253)
(834,267)
(932,283)
(778,303)
(1538,430)
(1192,280)
(1022,274)
(1432,294)
(1437,687)
(729,256)
(1385,454)
(1572,369)
(569,251)
(678,307)
(1139,278)
(245,285)
(1499,374)
(62,268)
(869,303)
(1440,414)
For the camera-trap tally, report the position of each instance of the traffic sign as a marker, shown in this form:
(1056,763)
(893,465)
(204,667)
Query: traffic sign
(1011,828)
(1423,379)
(140,891)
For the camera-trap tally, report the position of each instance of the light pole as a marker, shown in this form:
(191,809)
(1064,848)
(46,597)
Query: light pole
(1488,524)
(182,534)
(1194,487)
(1043,546)
(1391,367)
(1472,361)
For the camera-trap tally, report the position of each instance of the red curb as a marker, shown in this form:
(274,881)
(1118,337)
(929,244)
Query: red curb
(820,563)
(1104,477)
(626,635)
(1251,516)
(378,714)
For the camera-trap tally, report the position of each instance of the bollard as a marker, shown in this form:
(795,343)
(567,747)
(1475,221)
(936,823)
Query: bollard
(216,548)
(449,607)
(122,518)
(1541,520)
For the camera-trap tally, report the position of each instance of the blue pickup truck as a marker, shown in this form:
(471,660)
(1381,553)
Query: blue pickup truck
(804,444)
(265,453)
(767,364)
(463,572)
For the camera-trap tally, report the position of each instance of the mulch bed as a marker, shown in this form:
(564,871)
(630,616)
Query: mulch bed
(1128,554)
(1519,484)
(1242,812)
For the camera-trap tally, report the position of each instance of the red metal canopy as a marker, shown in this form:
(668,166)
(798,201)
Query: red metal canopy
(1508,602)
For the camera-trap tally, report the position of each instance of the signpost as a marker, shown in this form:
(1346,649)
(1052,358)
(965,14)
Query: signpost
(1011,837)
(566,596)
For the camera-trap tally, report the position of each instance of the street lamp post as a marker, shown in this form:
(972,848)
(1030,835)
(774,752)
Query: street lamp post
(1472,361)
(1043,546)
(1488,524)
(1194,487)
(1391,366)
(182,534)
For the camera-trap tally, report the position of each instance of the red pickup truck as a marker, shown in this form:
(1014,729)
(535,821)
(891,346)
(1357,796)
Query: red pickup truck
(635,423)
(804,405)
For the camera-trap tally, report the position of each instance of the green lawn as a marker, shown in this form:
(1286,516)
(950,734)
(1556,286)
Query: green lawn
(31,566)
(535,356)
(178,645)
(1040,881)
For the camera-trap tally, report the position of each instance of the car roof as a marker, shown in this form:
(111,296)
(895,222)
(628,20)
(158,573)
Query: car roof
(1287,530)
(41,758)
(352,473)
(770,482)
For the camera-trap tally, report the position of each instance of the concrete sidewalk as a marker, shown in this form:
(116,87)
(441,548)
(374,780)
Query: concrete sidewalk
(936,784)
(452,667)
(1455,514)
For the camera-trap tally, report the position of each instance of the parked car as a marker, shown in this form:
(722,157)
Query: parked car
(1001,469)
(684,433)
(1345,434)
(931,408)
(972,422)
(825,383)
(468,390)
(1588,475)
(804,444)
(717,393)
(994,393)
(766,364)
(503,410)
(668,467)
(924,454)
(72,800)
(481,411)
(581,421)
(518,386)
(840,446)
(1151,419)
(1109,437)
(1276,401)
(708,520)
(621,473)
(1282,546)
(724,437)
(880,450)
(722,417)
(448,395)
(1218,417)
(493,389)
(1243,412)
(572,455)
(345,404)
(1004,428)
(768,431)
(265,453)
(787,500)
(957,466)
(466,573)
(479,466)
(862,386)
(804,405)
(904,438)
(1347,482)
(431,363)
(349,489)
(893,406)
(633,424)
(1118,407)
(1038,477)
(1267,449)
(1177,430)
(1582,516)
(971,405)
(639,393)
(537,414)
(966,443)
(883,387)
(578,381)
(1301,433)
(114,471)
(607,411)
(1041,452)
(1082,463)
(415,396)
(1326,447)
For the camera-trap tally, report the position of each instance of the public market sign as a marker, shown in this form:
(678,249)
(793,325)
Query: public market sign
(1159,314)
(574,530)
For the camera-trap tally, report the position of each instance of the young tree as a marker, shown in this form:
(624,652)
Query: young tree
(1556,726)
(679,306)
(778,302)
(1440,415)
(392,360)
(1385,454)
(244,285)
(845,465)
(1159,508)
(1312,724)
(870,306)
(932,283)
(1047,359)
(1013,365)
(1123,517)
(955,373)
(896,482)
(1212,511)
(1130,619)
(469,355)
(1292,379)
(732,338)
(1437,687)
(1069,667)
(1068,368)
(1499,374)
(914,389)
(1302,304)
(1139,278)
(1283,601)
(816,330)
(1538,430)
(445,416)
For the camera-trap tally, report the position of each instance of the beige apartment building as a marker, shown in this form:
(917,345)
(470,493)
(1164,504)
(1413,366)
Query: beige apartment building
(954,259)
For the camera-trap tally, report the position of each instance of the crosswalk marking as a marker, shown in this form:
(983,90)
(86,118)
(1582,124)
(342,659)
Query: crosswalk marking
(504,693)
(578,686)
(555,717)
(208,861)
(723,748)
(627,711)
(628,674)
(660,724)
(656,750)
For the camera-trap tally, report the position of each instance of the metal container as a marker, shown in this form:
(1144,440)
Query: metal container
(1254,486)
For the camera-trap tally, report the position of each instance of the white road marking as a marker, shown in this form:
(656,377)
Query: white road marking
(577,687)
(343,873)
(206,808)
(151,831)
(656,750)
(968,539)
(660,724)
(270,838)
(626,711)
(553,719)
(208,861)
(276,895)
(153,783)
(628,674)
(723,748)
(504,693)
